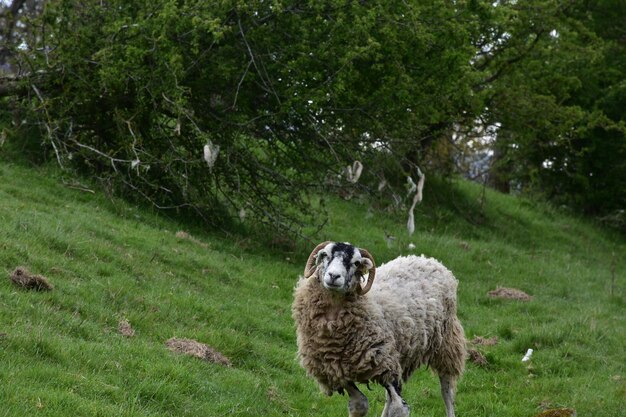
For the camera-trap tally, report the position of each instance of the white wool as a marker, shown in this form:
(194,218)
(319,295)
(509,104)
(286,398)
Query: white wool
(527,356)
(410,224)
(211,152)
(412,299)
(411,184)
(353,173)
(407,319)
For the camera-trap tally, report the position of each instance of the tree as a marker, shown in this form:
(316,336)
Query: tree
(282,95)
(561,133)
(15,31)
(234,110)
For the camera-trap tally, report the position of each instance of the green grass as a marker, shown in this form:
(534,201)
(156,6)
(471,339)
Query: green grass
(61,354)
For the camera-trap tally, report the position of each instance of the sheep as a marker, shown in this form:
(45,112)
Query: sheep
(347,334)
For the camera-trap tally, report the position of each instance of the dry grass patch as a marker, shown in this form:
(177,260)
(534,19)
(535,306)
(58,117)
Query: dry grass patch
(24,279)
(186,236)
(125,329)
(197,349)
(485,341)
(560,412)
(509,294)
(476,357)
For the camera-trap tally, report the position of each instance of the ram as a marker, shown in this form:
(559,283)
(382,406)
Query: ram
(349,333)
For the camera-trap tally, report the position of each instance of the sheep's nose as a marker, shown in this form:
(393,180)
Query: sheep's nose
(333,277)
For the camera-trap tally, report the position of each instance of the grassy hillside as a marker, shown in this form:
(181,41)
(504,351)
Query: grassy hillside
(61,352)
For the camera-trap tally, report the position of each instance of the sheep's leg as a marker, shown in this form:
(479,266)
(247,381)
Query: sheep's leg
(447,392)
(395,405)
(358,405)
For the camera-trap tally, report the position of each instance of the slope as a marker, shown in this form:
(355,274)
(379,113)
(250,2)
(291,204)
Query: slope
(62,354)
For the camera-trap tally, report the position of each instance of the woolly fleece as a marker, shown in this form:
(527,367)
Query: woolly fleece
(407,319)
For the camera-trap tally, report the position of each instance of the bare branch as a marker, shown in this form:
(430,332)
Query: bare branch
(266,83)
(239,84)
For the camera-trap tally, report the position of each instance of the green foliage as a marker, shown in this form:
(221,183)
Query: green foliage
(61,352)
(131,92)
(563,132)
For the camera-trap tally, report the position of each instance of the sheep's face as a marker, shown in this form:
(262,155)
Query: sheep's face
(341,266)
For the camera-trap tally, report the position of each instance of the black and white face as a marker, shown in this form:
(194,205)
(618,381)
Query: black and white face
(341,267)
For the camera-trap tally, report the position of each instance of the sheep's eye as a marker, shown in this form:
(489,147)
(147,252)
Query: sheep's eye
(357,263)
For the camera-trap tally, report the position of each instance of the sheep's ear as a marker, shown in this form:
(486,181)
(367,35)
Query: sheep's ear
(320,255)
(366,265)
(310,269)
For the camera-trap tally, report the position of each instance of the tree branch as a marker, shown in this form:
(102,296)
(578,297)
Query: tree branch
(510,62)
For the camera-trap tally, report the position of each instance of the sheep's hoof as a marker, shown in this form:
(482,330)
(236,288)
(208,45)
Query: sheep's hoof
(358,408)
(396,409)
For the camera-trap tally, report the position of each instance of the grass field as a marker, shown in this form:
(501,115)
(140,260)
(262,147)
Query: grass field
(61,353)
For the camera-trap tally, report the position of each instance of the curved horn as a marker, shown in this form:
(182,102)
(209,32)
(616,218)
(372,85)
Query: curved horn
(309,269)
(371,274)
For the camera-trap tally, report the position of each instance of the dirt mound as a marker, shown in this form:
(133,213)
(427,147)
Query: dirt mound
(24,279)
(125,329)
(197,349)
(509,294)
